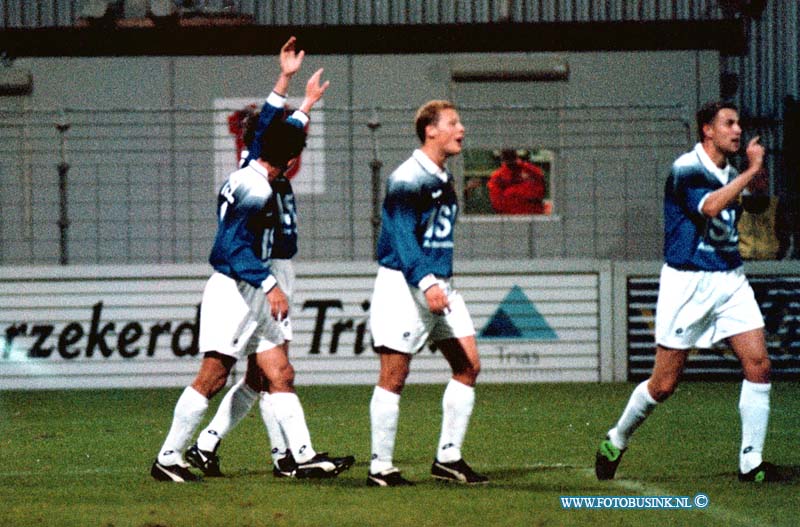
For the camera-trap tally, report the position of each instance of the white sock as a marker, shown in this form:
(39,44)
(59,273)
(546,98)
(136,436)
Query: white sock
(384,413)
(276,439)
(457,403)
(640,405)
(754,410)
(232,409)
(188,413)
(290,416)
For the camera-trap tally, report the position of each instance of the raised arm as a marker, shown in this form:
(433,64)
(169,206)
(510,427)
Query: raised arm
(290,60)
(314,91)
(719,199)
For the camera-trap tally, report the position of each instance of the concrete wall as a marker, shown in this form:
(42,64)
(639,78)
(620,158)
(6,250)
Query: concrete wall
(608,176)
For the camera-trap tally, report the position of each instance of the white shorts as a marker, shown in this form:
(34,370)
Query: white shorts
(400,320)
(283,271)
(235,317)
(700,308)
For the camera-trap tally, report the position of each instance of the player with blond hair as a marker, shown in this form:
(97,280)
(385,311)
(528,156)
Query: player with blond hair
(414,301)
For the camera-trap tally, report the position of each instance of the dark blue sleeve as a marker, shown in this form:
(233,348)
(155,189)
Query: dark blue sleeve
(690,187)
(265,118)
(401,218)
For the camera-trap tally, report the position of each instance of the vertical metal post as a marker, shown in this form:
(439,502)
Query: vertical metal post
(26,153)
(686,119)
(375,165)
(173,169)
(63,170)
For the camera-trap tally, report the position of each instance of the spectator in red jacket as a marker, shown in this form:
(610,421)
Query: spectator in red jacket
(517,187)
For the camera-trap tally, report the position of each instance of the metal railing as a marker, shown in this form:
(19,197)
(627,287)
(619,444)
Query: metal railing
(118,186)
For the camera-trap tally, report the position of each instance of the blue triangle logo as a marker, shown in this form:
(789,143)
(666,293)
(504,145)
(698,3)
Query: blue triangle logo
(517,318)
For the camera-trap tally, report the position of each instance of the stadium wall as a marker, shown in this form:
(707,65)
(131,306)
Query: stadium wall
(536,321)
(144,169)
(135,326)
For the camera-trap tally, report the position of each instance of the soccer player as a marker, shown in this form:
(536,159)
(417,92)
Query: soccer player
(413,300)
(243,304)
(240,398)
(704,296)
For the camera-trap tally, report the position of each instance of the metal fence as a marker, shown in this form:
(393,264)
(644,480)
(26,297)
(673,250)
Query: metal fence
(92,186)
(139,185)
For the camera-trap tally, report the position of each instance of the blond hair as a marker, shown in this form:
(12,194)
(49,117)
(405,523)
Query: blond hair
(428,114)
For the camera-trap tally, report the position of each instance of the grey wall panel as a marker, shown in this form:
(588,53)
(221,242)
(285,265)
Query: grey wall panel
(144,164)
(767,73)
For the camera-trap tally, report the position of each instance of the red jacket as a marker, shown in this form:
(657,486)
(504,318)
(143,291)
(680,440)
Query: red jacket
(518,189)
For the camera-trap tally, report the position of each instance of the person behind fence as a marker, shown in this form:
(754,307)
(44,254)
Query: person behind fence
(517,186)
(413,300)
(704,296)
(244,304)
(763,227)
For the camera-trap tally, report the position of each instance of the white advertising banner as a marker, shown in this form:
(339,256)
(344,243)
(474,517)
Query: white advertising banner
(137,326)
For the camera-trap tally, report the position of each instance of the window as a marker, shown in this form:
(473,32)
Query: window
(508,181)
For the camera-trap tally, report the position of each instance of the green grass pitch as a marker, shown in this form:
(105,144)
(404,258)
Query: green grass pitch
(82,458)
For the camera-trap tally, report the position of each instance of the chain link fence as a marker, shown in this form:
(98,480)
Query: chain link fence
(129,186)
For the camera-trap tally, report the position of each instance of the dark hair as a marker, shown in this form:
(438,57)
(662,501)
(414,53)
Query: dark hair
(428,113)
(706,114)
(250,122)
(508,156)
(249,125)
(281,143)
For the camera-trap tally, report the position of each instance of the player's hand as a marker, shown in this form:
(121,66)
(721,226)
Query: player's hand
(290,59)
(315,88)
(755,153)
(278,303)
(438,303)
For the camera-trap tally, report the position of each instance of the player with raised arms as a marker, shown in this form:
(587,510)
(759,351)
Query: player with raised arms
(244,307)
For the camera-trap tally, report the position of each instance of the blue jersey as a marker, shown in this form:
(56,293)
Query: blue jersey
(284,239)
(284,243)
(693,241)
(246,220)
(417,219)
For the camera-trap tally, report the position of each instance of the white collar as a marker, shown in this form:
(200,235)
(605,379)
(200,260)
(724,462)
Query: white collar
(258,167)
(429,166)
(722,174)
